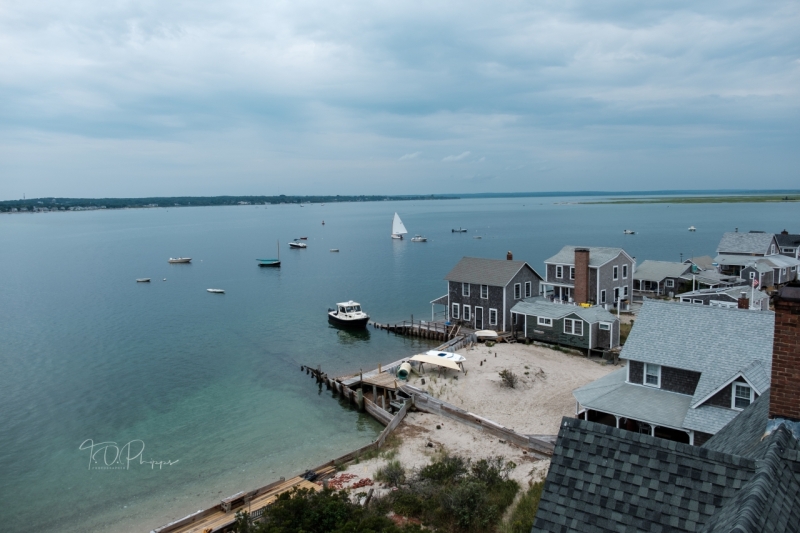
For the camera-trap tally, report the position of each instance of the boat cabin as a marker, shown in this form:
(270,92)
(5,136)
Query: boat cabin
(348,307)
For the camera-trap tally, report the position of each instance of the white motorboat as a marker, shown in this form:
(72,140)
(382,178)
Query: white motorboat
(143,280)
(297,244)
(419,238)
(348,315)
(216,291)
(692,228)
(398,229)
(334,249)
(450,356)
(629,232)
(459,230)
(180,259)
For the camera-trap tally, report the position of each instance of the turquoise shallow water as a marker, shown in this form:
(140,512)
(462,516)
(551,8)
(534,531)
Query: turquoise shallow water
(213,381)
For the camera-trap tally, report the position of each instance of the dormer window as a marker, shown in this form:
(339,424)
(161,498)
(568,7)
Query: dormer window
(742,395)
(652,375)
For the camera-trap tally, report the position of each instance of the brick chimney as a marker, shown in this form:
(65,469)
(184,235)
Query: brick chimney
(743,301)
(784,398)
(784,232)
(509,256)
(581,294)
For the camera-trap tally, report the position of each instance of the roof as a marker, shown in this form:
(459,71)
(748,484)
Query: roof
(703,261)
(604,479)
(731,292)
(598,256)
(659,270)
(708,419)
(712,277)
(482,271)
(789,240)
(545,308)
(745,243)
(729,340)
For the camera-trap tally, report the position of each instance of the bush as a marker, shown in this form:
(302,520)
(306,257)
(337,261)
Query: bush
(446,470)
(523,515)
(393,473)
(509,378)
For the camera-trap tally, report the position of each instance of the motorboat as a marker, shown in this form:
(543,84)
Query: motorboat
(477,237)
(334,249)
(692,228)
(398,229)
(216,291)
(459,230)
(486,334)
(450,356)
(419,238)
(180,259)
(297,244)
(629,232)
(348,315)
(271,262)
(143,280)
(303,238)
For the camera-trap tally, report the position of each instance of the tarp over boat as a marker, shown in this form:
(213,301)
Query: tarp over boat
(438,361)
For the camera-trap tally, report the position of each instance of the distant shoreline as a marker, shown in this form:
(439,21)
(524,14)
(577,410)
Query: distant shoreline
(732,199)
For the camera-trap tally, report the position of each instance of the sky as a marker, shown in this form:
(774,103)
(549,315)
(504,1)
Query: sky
(153,98)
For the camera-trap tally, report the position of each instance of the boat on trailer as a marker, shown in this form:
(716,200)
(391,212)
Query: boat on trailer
(348,315)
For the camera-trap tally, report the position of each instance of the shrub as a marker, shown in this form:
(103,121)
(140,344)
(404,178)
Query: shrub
(445,470)
(392,473)
(523,515)
(509,378)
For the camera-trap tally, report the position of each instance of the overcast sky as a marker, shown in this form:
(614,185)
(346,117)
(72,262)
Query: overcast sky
(159,98)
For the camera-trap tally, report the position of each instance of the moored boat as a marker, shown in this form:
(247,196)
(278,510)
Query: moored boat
(628,232)
(271,262)
(692,228)
(143,280)
(419,238)
(459,230)
(180,259)
(297,244)
(216,291)
(398,229)
(348,315)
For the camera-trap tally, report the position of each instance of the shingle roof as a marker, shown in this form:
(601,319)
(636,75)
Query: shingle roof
(598,256)
(544,308)
(708,419)
(743,435)
(732,292)
(745,243)
(481,271)
(790,240)
(659,270)
(703,261)
(717,342)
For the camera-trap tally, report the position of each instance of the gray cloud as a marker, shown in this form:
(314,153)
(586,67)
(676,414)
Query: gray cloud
(458,157)
(410,156)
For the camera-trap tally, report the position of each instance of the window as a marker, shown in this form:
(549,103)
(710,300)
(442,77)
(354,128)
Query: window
(652,375)
(542,321)
(605,326)
(752,275)
(670,283)
(492,317)
(742,395)
(465,289)
(484,291)
(528,290)
(616,272)
(783,271)
(603,296)
(573,327)
(571,272)
(698,302)
(624,271)
(517,291)
(455,311)
(794,269)
(616,293)
(467,316)
(559,271)
(771,249)
(625,291)
(686,300)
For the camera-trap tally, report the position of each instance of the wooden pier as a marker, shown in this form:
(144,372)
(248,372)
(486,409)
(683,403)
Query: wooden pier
(438,331)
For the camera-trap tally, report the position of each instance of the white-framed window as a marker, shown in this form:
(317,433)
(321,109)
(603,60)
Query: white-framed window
(559,271)
(652,375)
(697,302)
(742,395)
(542,321)
(528,289)
(467,313)
(783,271)
(492,317)
(616,272)
(605,326)
(571,272)
(455,311)
(686,300)
(573,327)
(625,291)
(616,293)
(517,291)
(794,269)
(465,289)
(484,292)
(752,275)
(771,248)
(670,283)
(624,271)
(603,296)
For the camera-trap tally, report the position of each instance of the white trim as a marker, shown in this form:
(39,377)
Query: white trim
(624,271)
(520,291)
(733,395)
(466,310)
(602,299)
(495,316)
(572,272)
(540,323)
(615,272)
(644,376)
(528,289)
(597,273)
(561,269)
(505,309)
(607,324)
(707,397)
(628,372)
(487,292)
(463,292)
(572,322)
(455,311)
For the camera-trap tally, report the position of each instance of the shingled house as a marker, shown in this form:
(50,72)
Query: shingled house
(756,256)
(481,292)
(691,369)
(659,277)
(596,275)
(734,297)
(789,244)
(745,479)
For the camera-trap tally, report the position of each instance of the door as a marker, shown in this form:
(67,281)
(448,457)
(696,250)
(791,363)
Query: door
(479,318)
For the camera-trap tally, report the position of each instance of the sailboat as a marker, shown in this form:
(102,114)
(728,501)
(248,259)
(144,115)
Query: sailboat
(398,229)
(271,262)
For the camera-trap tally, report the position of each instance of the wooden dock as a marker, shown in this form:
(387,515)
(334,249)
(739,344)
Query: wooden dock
(439,331)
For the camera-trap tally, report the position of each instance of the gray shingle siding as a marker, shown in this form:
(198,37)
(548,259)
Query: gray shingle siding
(677,380)
(636,373)
(555,334)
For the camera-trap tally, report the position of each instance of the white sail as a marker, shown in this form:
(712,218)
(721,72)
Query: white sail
(397,226)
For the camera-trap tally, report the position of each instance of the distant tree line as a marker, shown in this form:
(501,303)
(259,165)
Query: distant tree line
(50,204)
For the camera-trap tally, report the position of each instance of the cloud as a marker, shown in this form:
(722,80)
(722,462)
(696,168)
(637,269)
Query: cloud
(458,157)
(410,156)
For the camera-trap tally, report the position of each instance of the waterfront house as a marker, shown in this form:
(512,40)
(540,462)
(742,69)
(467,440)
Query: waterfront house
(481,292)
(659,277)
(755,256)
(596,275)
(690,370)
(587,328)
(745,479)
(743,297)
(789,244)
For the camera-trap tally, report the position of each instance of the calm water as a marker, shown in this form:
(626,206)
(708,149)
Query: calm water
(213,381)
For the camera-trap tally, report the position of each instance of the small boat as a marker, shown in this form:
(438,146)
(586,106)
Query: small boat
(271,262)
(334,249)
(348,315)
(398,229)
(303,238)
(459,230)
(447,355)
(419,238)
(484,334)
(692,228)
(477,237)
(629,232)
(323,222)
(297,244)
(216,291)
(143,280)
(180,259)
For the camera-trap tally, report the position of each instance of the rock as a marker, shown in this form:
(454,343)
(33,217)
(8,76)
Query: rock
(438,426)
